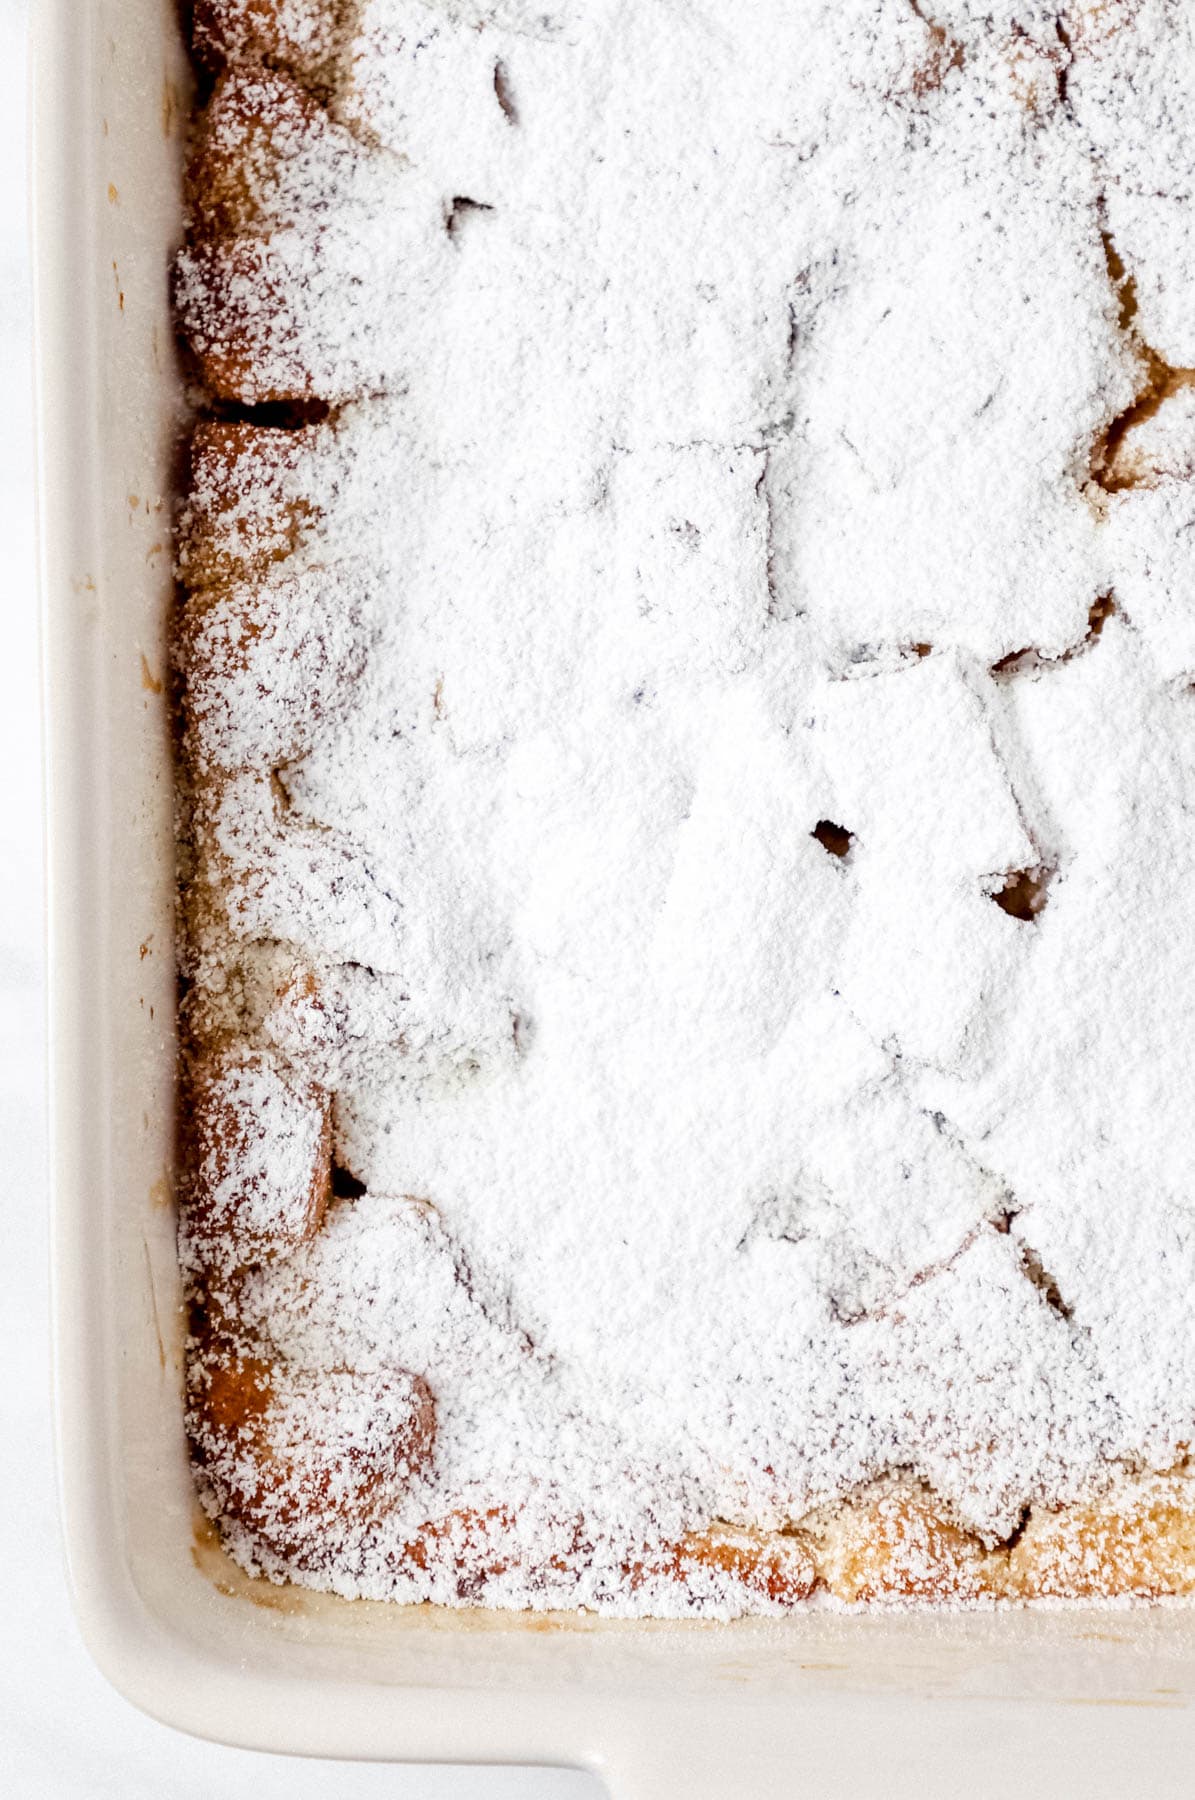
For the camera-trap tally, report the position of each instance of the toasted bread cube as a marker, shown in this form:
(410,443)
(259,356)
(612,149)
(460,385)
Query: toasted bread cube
(265,154)
(289,1452)
(737,1569)
(257,1147)
(267,662)
(895,1544)
(256,123)
(301,34)
(296,316)
(1139,1541)
(236,300)
(773,1567)
(251,499)
(468,1547)
(257,873)
(331,292)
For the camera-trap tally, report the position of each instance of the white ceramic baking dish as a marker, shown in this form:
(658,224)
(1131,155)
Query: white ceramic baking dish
(1064,1702)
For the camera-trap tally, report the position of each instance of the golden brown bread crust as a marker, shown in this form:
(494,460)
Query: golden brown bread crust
(239,333)
(269,174)
(291,1452)
(898,1543)
(753,1568)
(298,34)
(234,1098)
(251,500)
(773,1567)
(899,1548)
(255,119)
(1140,1540)
(293,645)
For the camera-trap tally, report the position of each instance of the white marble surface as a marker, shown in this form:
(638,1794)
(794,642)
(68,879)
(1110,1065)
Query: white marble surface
(64,1734)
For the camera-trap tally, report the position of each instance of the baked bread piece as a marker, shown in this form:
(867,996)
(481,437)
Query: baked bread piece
(303,35)
(685,750)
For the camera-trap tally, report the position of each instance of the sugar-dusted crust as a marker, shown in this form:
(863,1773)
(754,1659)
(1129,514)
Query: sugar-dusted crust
(291,1452)
(898,1542)
(266,662)
(254,495)
(295,307)
(257,1151)
(896,1545)
(235,294)
(299,34)
(1138,1540)
(901,1545)
(761,1571)
(297,257)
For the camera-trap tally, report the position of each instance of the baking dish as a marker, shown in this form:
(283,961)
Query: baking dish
(1076,1700)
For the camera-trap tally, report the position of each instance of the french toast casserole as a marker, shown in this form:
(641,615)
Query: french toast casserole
(686,775)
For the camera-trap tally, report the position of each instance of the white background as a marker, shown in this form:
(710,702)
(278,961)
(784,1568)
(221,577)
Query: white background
(64,1734)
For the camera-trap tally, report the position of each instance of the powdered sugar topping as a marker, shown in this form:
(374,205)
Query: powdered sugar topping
(730,396)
